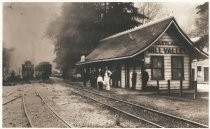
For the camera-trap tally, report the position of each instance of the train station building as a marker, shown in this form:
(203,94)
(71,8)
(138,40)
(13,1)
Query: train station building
(159,47)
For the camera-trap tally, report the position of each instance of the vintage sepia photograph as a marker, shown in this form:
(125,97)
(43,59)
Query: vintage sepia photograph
(105,64)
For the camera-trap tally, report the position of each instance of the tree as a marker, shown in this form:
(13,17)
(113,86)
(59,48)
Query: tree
(149,9)
(6,58)
(202,26)
(6,62)
(81,25)
(119,17)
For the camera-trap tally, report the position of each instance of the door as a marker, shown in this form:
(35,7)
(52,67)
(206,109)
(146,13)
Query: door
(206,74)
(127,76)
(193,75)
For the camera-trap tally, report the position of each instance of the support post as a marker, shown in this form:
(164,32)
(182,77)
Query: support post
(169,87)
(157,86)
(181,88)
(195,89)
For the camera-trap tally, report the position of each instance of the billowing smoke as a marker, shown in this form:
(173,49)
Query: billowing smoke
(72,34)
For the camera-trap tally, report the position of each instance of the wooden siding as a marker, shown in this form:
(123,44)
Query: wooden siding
(123,76)
(130,76)
(175,84)
(138,78)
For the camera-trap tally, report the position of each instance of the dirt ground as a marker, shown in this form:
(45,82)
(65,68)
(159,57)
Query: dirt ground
(81,112)
(13,113)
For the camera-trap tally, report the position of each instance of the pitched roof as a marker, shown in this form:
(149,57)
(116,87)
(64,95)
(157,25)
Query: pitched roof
(129,43)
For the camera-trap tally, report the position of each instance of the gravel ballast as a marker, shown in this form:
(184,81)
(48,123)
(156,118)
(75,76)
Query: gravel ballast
(195,110)
(13,112)
(82,112)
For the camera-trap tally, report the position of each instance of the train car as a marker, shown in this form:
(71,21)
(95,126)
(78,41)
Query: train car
(27,70)
(43,70)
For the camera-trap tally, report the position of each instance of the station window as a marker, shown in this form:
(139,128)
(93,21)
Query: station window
(157,67)
(177,67)
(199,74)
(199,68)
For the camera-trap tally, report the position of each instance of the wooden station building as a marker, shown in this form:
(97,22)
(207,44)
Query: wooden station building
(161,47)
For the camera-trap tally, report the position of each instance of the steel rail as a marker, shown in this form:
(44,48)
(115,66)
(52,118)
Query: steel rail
(117,109)
(25,111)
(66,123)
(12,100)
(11,92)
(149,109)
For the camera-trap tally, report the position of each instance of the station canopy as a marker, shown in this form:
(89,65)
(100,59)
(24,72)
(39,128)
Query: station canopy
(128,44)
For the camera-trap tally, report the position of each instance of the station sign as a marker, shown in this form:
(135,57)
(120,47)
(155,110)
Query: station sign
(166,47)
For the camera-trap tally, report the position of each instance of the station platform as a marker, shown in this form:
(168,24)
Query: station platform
(202,91)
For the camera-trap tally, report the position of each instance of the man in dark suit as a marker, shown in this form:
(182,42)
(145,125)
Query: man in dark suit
(133,78)
(145,78)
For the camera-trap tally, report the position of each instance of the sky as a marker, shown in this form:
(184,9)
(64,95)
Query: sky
(24,26)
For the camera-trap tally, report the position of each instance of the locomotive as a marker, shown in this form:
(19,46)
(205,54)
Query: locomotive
(43,70)
(27,70)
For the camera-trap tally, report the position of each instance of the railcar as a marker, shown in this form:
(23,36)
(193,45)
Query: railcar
(27,70)
(43,70)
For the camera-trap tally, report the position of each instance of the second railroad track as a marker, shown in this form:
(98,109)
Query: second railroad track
(153,117)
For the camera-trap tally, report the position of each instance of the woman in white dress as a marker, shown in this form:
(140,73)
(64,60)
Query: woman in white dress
(107,75)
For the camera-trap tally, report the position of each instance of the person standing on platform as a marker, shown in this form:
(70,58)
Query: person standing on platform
(91,78)
(95,78)
(113,78)
(84,76)
(100,72)
(107,75)
(145,78)
(133,79)
(100,82)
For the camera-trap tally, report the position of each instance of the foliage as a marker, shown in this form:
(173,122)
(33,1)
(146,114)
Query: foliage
(150,9)
(120,17)
(202,25)
(81,25)
(6,58)
(6,61)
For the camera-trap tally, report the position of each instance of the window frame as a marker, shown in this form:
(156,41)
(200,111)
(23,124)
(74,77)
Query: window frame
(199,68)
(162,69)
(182,68)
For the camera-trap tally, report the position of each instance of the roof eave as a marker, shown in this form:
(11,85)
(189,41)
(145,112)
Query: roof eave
(130,56)
(173,21)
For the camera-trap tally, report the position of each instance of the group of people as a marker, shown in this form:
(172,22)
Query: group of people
(145,78)
(99,79)
(102,78)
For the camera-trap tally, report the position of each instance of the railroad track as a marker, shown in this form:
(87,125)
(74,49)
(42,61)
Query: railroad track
(41,115)
(25,111)
(151,116)
(59,117)
(12,99)
(151,124)
(16,110)
(11,93)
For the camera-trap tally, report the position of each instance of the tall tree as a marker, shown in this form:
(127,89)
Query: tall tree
(81,25)
(6,62)
(202,25)
(119,17)
(150,9)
